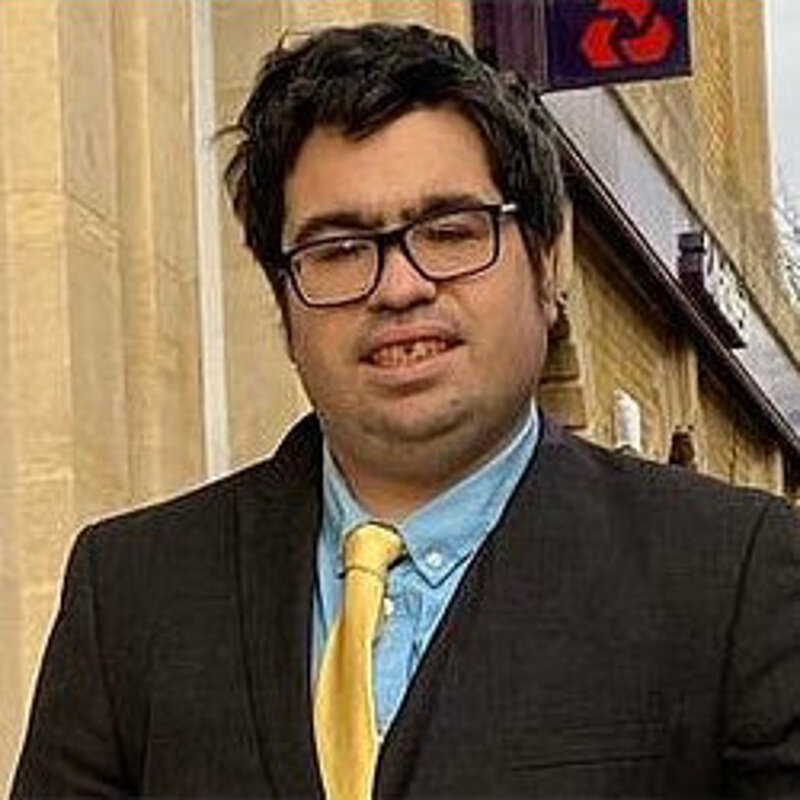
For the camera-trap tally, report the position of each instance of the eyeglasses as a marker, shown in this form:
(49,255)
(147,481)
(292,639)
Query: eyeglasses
(341,269)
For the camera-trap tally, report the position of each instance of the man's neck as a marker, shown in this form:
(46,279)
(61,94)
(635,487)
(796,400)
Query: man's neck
(392,488)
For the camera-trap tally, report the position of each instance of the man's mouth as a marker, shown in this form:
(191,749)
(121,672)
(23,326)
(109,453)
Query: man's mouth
(406,354)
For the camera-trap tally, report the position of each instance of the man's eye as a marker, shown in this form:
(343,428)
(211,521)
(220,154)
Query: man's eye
(338,253)
(462,228)
(448,233)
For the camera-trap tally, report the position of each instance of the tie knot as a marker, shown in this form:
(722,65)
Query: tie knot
(373,548)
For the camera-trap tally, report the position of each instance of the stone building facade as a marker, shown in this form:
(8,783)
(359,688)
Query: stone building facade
(140,352)
(707,139)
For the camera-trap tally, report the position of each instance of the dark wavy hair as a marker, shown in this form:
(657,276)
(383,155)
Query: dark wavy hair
(361,78)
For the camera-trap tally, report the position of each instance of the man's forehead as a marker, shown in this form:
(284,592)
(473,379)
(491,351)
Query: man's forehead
(416,131)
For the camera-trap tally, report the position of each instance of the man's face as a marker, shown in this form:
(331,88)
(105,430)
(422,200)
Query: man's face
(420,380)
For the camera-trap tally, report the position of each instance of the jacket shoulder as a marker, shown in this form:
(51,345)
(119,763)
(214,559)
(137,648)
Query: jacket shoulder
(620,471)
(665,505)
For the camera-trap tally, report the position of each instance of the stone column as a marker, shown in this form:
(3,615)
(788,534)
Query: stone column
(99,388)
(157,244)
(38,503)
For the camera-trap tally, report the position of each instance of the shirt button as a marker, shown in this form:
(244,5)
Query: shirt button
(434,559)
(388,607)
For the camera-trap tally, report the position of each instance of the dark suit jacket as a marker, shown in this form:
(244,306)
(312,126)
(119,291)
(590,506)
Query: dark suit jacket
(628,630)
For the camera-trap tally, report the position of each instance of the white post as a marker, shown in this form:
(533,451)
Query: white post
(209,253)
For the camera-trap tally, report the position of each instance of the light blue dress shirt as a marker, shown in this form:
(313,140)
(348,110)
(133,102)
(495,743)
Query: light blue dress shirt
(441,538)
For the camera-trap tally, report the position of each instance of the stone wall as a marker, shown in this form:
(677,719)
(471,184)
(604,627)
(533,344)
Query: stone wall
(711,134)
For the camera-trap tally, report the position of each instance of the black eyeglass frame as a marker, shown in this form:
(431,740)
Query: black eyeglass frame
(384,239)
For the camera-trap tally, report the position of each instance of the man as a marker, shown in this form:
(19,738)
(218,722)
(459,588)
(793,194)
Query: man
(524,614)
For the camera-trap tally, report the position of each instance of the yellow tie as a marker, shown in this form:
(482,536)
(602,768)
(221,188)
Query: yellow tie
(344,706)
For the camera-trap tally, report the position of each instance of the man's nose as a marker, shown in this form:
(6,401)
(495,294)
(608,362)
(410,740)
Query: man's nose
(401,284)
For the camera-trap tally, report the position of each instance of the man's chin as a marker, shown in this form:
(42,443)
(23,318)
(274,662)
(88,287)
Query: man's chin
(419,427)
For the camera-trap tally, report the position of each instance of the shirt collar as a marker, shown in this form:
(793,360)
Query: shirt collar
(448,528)
(341,511)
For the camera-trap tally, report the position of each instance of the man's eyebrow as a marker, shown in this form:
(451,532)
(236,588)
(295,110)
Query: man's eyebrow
(344,219)
(442,203)
(359,222)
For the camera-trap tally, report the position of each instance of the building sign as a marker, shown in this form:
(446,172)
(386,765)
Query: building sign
(709,279)
(566,44)
(591,42)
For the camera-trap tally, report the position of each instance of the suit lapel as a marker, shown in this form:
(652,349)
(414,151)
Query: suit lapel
(406,738)
(278,519)
(527,515)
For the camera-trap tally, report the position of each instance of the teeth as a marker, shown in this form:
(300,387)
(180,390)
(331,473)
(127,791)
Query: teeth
(406,353)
